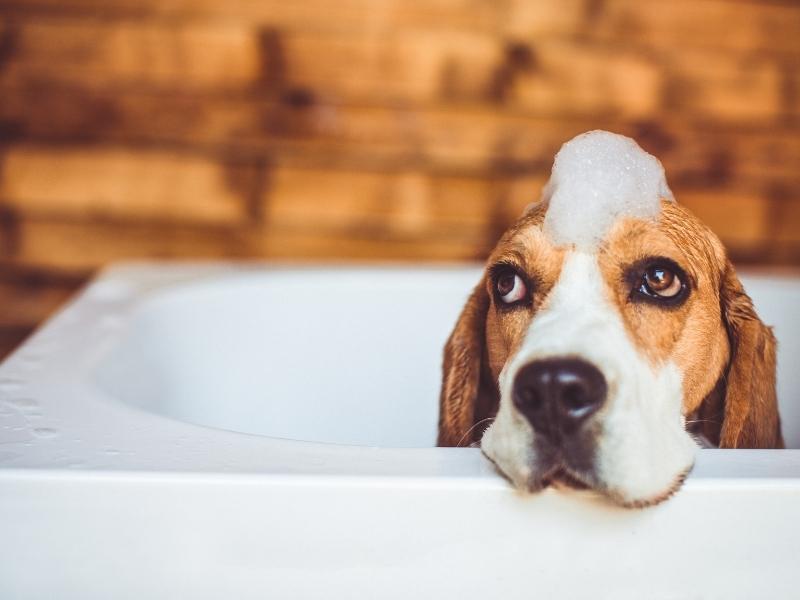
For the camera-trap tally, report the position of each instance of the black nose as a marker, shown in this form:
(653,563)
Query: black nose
(557,394)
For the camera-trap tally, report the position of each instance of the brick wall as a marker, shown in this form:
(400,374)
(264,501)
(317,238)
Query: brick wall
(369,129)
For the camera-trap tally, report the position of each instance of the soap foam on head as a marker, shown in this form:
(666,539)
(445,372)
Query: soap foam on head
(597,178)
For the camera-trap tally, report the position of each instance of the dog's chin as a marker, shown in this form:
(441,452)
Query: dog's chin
(563,478)
(558,477)
(532,471)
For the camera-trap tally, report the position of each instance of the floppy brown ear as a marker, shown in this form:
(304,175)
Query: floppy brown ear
(750,405)
(466,394)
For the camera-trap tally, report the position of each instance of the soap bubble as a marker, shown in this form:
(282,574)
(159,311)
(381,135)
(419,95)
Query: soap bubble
(597,178)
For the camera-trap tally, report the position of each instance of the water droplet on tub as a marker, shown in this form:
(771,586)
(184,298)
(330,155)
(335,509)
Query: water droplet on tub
(45,432)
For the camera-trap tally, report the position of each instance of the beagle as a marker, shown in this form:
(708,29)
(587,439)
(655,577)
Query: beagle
(608,338)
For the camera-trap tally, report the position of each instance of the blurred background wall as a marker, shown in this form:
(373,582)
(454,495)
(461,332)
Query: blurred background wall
(369,129)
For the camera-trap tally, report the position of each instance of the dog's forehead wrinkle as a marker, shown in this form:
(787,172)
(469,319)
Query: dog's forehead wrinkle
(597,178)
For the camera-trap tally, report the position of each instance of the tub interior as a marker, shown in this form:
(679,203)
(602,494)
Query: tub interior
(333,356)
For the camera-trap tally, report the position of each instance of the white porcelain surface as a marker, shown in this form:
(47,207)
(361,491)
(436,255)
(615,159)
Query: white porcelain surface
(240,431)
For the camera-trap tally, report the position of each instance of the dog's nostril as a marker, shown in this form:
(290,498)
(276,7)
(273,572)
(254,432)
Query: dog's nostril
(530,398)
(581,395)
(558,393)
(574,397)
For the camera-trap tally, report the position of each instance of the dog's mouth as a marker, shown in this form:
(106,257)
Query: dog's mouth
(575,468)
(570,468)
(561,477)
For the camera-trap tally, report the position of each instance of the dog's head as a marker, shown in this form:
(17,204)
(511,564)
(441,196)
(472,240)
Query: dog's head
(608,333)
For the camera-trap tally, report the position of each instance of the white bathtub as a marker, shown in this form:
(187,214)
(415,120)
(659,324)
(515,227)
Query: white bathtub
(249,432)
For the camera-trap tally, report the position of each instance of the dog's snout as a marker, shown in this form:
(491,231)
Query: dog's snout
(557,394)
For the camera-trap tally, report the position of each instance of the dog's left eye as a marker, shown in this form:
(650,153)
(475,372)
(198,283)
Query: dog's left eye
(658,280)
(510,287)
(661,282)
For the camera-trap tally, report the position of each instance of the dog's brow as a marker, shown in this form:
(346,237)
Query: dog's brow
(511,256)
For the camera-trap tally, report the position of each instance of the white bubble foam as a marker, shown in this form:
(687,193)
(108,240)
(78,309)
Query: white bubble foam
(597,178)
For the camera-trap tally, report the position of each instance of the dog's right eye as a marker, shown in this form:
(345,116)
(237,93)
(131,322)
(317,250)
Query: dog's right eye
(510,287)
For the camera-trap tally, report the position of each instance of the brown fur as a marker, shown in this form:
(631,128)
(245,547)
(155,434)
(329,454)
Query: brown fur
(462,370)
(750,417)
(726,354)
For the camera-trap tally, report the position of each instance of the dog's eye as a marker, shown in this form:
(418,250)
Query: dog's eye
(658,280)
(661,281)
(510,287)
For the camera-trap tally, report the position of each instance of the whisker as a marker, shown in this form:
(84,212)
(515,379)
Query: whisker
(692,422)
(466,434)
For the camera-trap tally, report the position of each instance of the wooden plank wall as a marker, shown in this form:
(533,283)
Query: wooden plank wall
(369,129)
